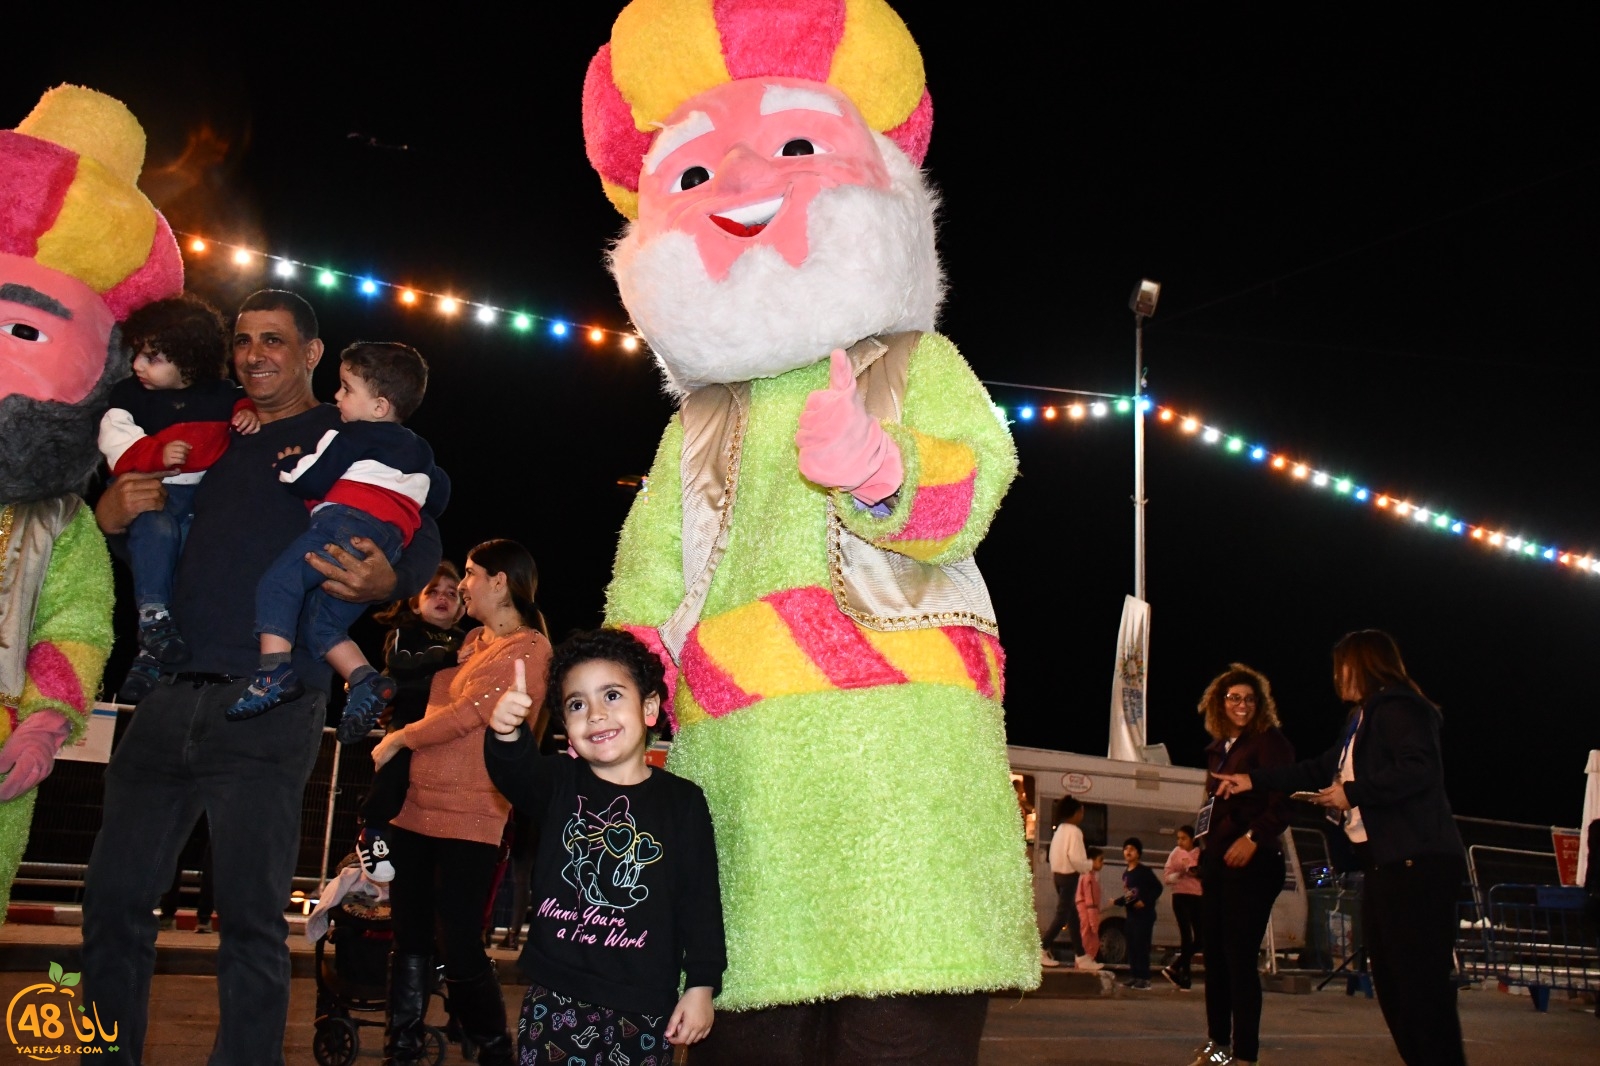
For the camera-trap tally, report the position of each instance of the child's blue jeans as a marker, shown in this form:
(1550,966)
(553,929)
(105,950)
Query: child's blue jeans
(291,583)
(155,540)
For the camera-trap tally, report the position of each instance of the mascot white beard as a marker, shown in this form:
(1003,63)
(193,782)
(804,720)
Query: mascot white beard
(872,268)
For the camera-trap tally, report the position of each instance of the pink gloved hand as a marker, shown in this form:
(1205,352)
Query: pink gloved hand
(841,446)
(29,754)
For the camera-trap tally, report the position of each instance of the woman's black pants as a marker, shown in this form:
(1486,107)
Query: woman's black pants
(1236,906)
(1186,908)
(1408,912)
(447,882)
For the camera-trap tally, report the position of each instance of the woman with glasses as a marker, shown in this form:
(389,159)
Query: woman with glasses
(1242,865)
(1385,779)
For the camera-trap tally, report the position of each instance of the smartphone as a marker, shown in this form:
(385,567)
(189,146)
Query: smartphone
(1305,797)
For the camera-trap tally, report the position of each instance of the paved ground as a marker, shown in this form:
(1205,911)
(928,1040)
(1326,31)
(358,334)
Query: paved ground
(1074,1024)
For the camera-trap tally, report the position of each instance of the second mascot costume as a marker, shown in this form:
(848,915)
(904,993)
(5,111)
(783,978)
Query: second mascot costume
(803,554)
(80,249)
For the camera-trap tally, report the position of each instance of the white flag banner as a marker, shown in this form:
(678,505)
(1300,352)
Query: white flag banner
(1128,683)
(1591,810)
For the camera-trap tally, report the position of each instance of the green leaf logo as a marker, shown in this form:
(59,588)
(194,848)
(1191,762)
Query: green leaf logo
(69,979)
(55,972)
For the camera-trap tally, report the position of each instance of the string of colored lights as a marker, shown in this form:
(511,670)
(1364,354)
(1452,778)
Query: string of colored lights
(410,296)
(1402,508)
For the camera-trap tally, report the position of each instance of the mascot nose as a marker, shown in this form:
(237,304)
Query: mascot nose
(743,169)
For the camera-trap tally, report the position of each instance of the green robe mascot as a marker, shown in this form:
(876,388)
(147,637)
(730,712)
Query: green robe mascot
(802,556)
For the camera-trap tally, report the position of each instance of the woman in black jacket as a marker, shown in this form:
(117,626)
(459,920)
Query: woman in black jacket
(1242,865)
(1386,779)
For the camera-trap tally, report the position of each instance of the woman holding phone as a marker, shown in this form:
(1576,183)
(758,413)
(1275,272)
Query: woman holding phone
(1385,778)
(1242,864)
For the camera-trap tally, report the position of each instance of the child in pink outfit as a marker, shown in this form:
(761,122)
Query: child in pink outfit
(1088,901)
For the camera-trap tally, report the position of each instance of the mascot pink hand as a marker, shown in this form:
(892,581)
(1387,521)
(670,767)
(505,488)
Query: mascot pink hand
(29,754)
(841,446)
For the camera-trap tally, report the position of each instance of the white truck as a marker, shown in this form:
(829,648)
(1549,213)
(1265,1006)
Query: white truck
(1127,799)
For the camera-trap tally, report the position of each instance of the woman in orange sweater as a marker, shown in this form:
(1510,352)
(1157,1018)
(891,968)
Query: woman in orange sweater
(445,842)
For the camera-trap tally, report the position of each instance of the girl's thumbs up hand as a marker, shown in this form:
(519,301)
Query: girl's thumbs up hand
(514,705)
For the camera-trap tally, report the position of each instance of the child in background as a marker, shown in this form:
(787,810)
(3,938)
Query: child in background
(626,871)
(1088,902)
(1182,875)
(425,638)
(1140,890)
(371,478)
(174,414)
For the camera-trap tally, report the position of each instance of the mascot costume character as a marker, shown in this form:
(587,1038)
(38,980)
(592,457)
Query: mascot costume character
(80,248)
(803,554)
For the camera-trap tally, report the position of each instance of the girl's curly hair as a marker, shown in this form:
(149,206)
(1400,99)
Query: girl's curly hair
(608,645)
(188,331)
(1214,708)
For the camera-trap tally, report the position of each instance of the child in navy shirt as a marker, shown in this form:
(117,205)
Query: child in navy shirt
(1140,890)
(370,478)
(626,904)
(174,415)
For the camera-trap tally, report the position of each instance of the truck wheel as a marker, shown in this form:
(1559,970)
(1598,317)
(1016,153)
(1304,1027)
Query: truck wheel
(1113,942)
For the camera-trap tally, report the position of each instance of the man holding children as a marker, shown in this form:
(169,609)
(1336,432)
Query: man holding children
(181,755)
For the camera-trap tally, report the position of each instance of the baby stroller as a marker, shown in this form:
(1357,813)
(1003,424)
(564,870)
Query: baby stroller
(352,980)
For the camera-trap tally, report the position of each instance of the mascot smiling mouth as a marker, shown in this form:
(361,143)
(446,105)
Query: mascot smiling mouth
(749,220)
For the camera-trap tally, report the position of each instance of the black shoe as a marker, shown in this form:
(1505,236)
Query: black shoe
(268,688)
(143,676)
(404,1037)
(368,698)
(481,1009)
(159,638)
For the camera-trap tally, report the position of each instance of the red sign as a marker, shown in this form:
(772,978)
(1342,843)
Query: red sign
(1566,844)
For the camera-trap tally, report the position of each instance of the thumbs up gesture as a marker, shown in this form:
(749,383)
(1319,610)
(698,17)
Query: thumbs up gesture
(843,447)
(514,705)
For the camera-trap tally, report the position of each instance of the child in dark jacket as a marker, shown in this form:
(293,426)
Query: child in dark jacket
(372,478)
(1140,890)
(627,904)
(174,415)
(425,638)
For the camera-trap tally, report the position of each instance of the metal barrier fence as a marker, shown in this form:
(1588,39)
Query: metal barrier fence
(67,817)
(1536,936)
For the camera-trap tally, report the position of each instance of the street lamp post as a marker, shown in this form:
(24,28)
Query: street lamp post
(1143,304)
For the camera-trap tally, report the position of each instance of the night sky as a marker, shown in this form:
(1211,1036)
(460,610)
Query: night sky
(1377,243)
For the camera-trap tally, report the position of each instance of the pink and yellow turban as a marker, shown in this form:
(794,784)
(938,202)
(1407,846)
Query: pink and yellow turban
(69,200)
(664,52)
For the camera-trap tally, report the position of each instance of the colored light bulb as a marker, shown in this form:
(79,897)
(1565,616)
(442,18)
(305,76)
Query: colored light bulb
(522,322)
(197,245)
(558,328)
(327,279)
(368,287)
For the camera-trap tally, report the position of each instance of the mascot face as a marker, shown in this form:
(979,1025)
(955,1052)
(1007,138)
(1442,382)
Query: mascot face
(753,256)
(54,331)
(740,165)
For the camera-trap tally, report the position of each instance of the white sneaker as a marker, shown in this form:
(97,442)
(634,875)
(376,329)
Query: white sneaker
(1047,960)
(1084,962)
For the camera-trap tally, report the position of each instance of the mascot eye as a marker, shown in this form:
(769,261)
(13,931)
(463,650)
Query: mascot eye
(23,332)
(690,178)
(798,146)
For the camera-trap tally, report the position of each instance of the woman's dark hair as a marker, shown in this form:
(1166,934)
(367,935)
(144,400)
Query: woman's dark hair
(1373,660)
(1187,829)
(507,557)
(605,645)
(1066,807)
(1092,852)
(404,612)
(185,329)
(1213,703)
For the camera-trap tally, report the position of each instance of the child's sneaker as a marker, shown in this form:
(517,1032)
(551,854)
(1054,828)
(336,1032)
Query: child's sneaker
(367,699)
(143,676)
(373,851)
(159,638)
(268,688)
